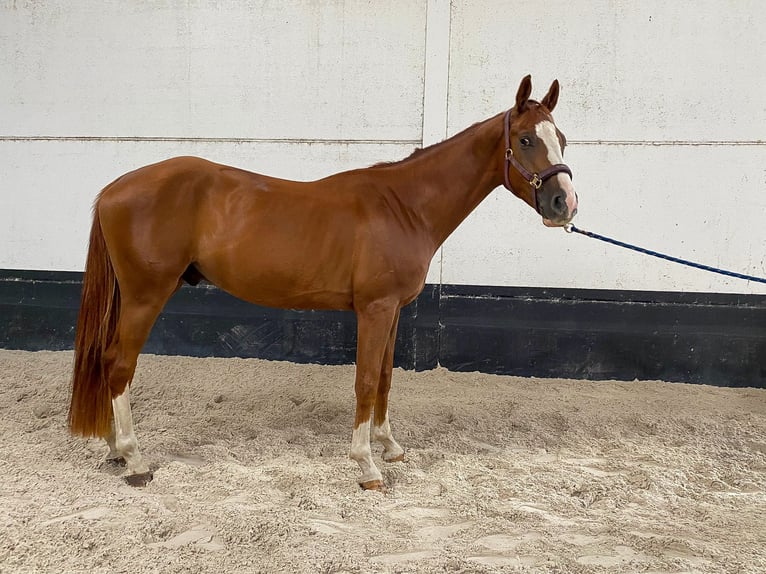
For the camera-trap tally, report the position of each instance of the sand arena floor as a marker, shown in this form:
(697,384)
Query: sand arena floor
(503,474)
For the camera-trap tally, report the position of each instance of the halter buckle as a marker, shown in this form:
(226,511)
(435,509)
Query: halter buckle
(536,181)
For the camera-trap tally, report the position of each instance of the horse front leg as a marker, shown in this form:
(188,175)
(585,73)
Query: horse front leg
(374,323)
(381,429)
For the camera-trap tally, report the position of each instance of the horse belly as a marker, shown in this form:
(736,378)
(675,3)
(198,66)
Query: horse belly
(298,287)
(277,269)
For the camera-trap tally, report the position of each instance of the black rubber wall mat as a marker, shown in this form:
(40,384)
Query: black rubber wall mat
(717,339)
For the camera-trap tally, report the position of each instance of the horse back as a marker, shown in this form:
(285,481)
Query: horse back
(266,240)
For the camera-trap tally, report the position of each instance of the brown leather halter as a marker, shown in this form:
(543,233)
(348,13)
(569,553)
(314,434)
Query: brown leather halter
(536,180)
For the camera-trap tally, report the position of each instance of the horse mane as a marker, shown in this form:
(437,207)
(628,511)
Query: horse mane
(422,151)
(416,153)
(419,152)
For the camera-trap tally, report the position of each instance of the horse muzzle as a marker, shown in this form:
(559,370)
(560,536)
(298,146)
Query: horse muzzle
(557,200)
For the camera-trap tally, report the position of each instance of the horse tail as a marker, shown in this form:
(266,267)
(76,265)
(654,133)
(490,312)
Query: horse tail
(90,410)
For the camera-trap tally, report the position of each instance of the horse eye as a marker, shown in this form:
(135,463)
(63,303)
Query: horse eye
(525,141)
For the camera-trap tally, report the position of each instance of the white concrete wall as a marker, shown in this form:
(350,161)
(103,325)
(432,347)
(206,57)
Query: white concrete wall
(664,107)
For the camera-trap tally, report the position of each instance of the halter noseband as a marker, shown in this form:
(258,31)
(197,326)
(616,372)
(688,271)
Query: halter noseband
(536,180)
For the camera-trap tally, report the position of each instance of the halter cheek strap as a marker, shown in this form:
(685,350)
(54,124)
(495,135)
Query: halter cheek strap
(536,180)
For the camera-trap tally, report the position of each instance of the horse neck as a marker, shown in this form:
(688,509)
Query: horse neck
(445,182)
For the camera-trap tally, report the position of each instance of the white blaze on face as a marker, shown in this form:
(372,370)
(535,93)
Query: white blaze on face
(546,132)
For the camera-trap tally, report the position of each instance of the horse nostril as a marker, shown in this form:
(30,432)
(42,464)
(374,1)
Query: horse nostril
(559,203)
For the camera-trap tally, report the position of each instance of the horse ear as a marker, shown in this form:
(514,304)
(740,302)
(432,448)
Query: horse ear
(552,97)
(525,90)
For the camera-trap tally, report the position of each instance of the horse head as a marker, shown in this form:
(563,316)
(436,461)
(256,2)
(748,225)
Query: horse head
(534,165)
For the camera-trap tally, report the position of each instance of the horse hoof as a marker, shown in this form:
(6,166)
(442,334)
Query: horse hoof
(378,485)
(116,462)
(397,458)
(139,479)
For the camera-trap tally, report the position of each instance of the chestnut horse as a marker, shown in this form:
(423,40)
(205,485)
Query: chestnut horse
(360,240)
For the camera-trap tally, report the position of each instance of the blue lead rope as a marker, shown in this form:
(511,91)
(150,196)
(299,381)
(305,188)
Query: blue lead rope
(571,228)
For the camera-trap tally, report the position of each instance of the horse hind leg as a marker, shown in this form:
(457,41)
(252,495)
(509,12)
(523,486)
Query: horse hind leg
(381,429)
(126,443)
(137,315)
(114,457)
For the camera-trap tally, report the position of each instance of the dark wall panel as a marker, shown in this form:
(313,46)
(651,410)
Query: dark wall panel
(706,338)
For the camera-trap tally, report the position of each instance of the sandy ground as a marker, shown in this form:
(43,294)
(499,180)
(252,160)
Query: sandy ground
(502,474)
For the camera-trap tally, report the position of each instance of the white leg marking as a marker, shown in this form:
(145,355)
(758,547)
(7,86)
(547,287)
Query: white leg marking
(362,454)
(382,434)
(111,441)
(125,441)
